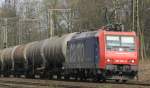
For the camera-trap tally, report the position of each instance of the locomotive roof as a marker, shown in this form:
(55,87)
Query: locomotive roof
(85,34)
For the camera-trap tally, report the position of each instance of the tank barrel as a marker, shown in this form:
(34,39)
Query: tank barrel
(36,55)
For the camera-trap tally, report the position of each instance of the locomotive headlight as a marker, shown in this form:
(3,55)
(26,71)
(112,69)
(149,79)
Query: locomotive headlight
(108,60)
(132,61)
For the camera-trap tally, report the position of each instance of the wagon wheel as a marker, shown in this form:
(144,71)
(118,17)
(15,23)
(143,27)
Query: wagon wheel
(124,81)
(59,77)
(117,80)
(66,77)
(50,76)
(29,75)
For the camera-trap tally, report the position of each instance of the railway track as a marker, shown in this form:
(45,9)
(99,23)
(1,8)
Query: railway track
(37,83)
(17,83)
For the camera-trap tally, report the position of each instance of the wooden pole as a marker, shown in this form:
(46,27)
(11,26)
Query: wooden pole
(133,12)
(5,34)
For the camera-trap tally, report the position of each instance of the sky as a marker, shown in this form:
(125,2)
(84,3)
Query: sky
(1,2)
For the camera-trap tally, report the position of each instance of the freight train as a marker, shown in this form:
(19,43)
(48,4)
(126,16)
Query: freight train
(97,55)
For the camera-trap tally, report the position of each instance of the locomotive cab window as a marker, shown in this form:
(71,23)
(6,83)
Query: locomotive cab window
(120,43)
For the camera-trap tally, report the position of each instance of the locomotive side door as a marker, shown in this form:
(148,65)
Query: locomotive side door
(96,52)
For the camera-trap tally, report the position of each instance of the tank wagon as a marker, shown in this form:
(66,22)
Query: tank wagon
(98,55)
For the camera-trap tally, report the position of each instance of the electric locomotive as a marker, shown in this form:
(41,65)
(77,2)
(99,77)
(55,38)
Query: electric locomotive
(103,55)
